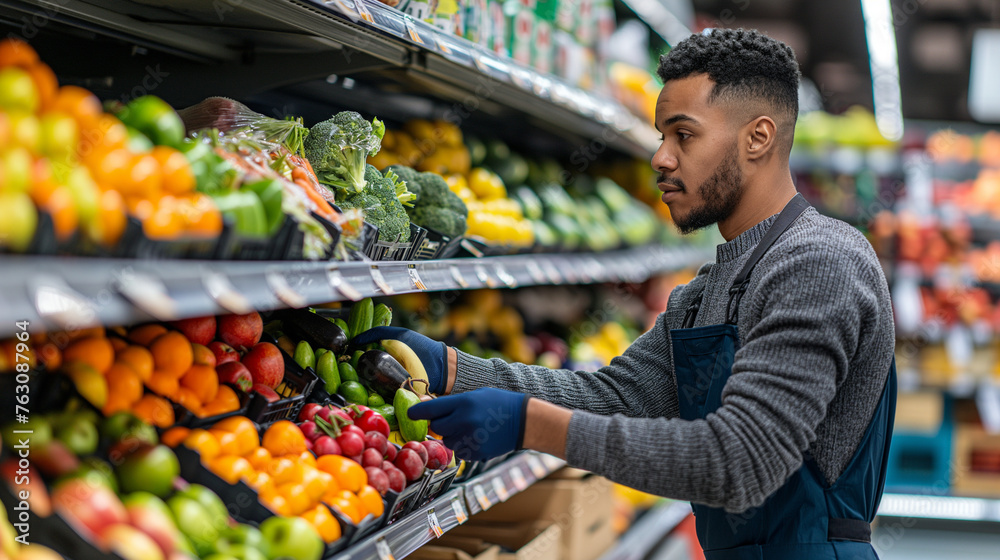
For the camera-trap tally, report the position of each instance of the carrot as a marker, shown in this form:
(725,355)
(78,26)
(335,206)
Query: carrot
(322,206)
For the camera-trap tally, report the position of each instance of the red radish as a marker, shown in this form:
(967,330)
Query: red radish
(376,441)
(224,353)
(355,458)
(326,445)
(235,373)
(397,480)
(371,458)
(352,429)
(409,462)
(378,479)
(343,414)
(356,411)
(267,392)
(420,449)
(310,430)
(372,421)
(309,445)
(351,444)
(437,454)
(390,452)
(309,411)
(266,364)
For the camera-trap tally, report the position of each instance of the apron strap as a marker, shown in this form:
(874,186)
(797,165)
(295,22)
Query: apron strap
(786,218)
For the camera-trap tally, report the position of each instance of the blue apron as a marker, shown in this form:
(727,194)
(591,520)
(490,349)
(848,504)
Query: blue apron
(805,518)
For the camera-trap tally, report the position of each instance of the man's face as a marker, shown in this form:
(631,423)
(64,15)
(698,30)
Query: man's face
(698,159)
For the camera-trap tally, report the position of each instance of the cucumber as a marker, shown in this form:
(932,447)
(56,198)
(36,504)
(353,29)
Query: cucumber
(347,372)
(382,316)
(360,318)
(353,392)
(326,369)
(343,326)
(411,430)
(304,355)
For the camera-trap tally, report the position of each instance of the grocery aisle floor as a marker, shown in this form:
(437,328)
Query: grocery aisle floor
(936,544)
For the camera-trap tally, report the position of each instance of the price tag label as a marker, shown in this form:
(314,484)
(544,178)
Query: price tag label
(224,293)
(536,466)
(57,301)
(380,281)
(347,9)
(479,58)
(382,549)
(411,30)
(456,275)
(552,272)
(279,285)
(535,271)
(415,277)
(505,277)
(484,277)
(363,11)
(442,44)
(480,495)
(342,286)
(568,271)
(460,515)
(432,520)
(500,489)
(517,476)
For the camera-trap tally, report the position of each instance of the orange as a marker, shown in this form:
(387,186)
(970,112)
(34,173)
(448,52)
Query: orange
(226,400)
(172,354)
(236,424)
(260,458)
(275,502)
(228,441)
(138,358)
(154,410)
(315,482)
(15,52)
(348,474)
(118,344)
(174,436)
(205,219)
(245,433)
(352,509)
(45,82)
(50,355)
(296,496)
(307,459)
(163,384)
(96,352)
(146,334)
(204,443)
(231,468)
(111,216)
(60,205)
(259,480)
(202,356)
(115,403)
(284,438)
(124,383)
(82,105)
(284,470)
(175,170)
(144,177)
(166,221)
(372,501)
(203,382)
(324,522)
(186,398)
(110,166)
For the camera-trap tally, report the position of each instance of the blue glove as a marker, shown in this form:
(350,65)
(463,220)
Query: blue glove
(433,354)
(477,425)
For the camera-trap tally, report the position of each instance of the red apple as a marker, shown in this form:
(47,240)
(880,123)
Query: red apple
(378,479)
(437,454)
(267,392)
(38,552)
(199,330)
(131,543)
(202,355)
(54,459)
(224,353)
(420,449)
(240,331)
(88,506)
(266,365)
(38,495)
(150,515)
(236,374)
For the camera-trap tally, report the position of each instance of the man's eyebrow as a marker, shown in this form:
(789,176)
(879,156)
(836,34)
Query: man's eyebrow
(678,118)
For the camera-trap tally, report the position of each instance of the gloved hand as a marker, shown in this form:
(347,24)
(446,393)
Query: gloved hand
(433,354)
(477,425)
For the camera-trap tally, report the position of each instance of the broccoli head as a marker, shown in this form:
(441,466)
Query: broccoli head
(338,147)
(434,191)
(390,194)
(442,220)
(386,217)
(409,176)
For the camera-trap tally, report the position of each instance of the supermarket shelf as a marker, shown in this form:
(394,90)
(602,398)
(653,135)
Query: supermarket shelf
(649,531)
(940,507)
(451,510)
(74,292)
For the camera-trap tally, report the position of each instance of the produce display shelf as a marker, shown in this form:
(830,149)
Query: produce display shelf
(75,292)
(646,533)
(952,508)
(453,508)
(331,37)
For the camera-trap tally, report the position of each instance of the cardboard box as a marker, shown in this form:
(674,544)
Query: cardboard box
(579,502)
(525,541)
(977,462)
(437,552)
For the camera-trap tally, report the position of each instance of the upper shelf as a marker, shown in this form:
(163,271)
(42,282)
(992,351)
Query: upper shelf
(69,292)
(248,47)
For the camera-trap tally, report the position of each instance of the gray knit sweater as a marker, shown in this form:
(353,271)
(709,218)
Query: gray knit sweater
(817,338)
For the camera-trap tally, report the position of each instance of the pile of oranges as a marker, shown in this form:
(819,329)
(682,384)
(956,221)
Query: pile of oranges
(288,479)
(61,153)
(114,373)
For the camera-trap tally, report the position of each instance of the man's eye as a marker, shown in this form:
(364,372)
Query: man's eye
(683,135)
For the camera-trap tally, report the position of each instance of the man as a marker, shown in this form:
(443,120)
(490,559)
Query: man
(764,394)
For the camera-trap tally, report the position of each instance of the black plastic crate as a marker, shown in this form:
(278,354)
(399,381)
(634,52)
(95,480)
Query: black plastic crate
(439,483)
(294,391)
(436,245)
(135,244)
(382,250)
(194,421)
(398,505)
(293,244)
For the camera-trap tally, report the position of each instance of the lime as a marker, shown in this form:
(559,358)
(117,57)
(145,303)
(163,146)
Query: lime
(374,400)
(156,119)
(348,373)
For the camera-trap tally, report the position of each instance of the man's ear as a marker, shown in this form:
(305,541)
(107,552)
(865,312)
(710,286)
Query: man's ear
(761,137)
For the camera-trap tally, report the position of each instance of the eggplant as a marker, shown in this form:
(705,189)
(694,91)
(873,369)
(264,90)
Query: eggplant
(381,373)
(302,324)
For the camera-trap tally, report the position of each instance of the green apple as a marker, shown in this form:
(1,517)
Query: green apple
(79,437)
(96,471)
(86,195)
(125,427)
(195,523)
(242,534)
(149,514)
(291,537)
(17,166)
(151,468)
(18,222)
(25,130)
(220,557)
(17,90)
(39,426)
(214,506)
(58,135)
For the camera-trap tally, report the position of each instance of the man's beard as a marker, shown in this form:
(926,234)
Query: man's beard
(720,195)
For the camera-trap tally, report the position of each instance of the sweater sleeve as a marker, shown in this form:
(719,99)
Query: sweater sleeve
(640,382)
(812,303)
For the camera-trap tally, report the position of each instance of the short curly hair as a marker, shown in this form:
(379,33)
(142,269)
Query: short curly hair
(743,63)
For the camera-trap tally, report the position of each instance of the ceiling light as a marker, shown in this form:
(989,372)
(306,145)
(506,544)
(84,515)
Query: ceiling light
(884,62)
